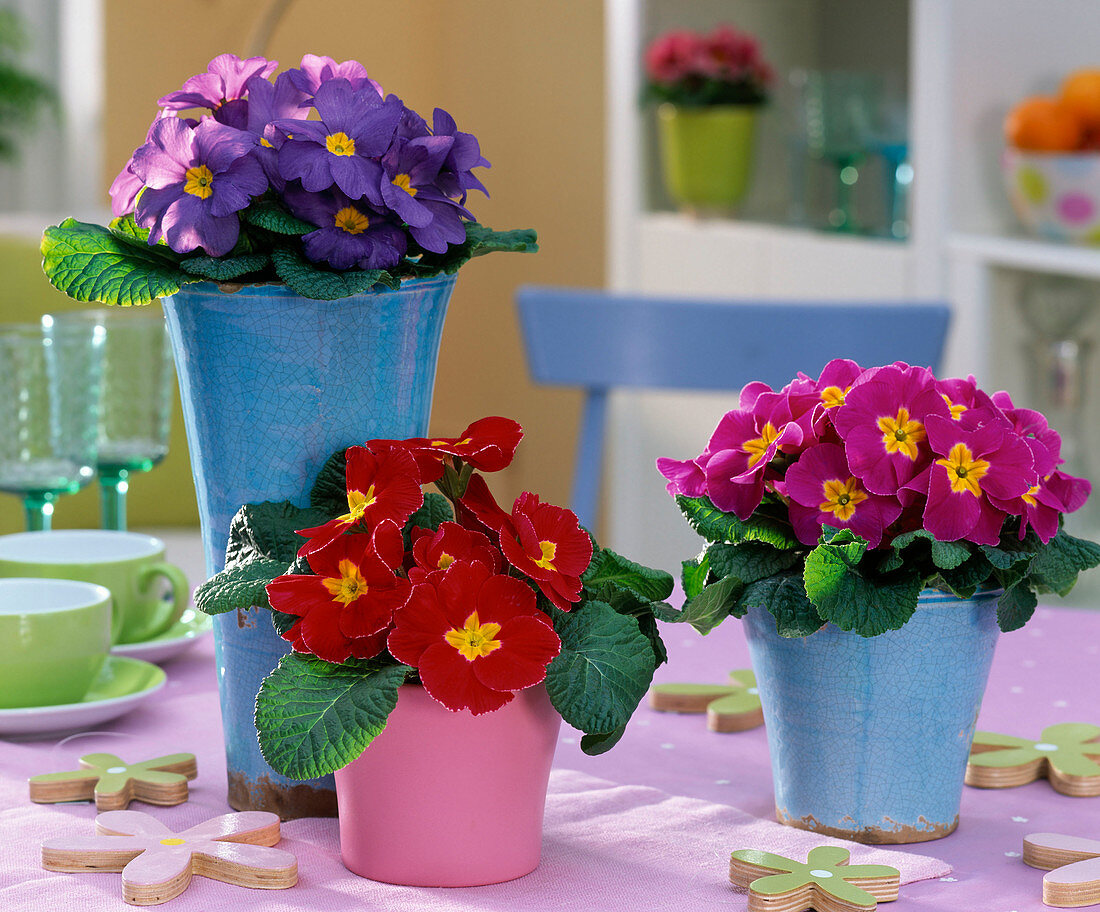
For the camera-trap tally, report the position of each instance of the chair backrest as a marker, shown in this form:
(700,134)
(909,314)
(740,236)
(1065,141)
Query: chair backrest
(601,341)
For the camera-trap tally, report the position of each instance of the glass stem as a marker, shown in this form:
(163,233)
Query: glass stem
(38,508)
(112,499)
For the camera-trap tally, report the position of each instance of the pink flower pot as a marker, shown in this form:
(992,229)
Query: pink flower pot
(444,799)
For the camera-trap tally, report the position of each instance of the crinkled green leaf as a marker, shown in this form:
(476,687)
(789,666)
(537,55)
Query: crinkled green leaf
(480,240)
(268,530)
(1015,607)
(314,717)
(784,595)
(1055,566)
(601,742)
(718,526)
(223,269)
(318,282)
(713,605)
(330,489)
(609,567)
(945,555)
(604,669)
(968,577)
(282,622)
(92,263)
(844,597)
(270,216)
(749,561)
(436,509)
(1011,551)
(241,586)
(694,574)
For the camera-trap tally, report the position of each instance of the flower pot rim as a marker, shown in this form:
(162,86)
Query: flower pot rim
(280,289)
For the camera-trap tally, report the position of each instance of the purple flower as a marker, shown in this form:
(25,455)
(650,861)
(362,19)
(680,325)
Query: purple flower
(196,180)
(126,187)
(343,147)
(465,154)
(350,232)
(316,70)
(408,188)
(222,88)
(267,104)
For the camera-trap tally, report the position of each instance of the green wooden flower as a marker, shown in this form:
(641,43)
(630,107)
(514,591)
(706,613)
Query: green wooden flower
(113,783)
(1068,754)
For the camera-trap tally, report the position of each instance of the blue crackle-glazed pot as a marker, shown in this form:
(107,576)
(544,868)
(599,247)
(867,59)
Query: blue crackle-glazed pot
(869,737)
(272,384)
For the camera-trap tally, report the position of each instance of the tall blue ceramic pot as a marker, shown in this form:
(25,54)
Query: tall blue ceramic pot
(869,737)
(272,384)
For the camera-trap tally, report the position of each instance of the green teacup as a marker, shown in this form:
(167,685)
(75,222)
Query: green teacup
(56,635)
(130,565)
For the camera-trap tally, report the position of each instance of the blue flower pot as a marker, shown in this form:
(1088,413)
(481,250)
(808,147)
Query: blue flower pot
(869,737)
(272,384)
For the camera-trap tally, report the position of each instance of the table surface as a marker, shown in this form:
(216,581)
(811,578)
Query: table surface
(1043,674)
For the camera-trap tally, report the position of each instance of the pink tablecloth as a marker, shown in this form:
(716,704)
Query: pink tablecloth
(614,853)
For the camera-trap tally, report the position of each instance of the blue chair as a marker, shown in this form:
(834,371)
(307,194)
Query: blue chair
(603,341)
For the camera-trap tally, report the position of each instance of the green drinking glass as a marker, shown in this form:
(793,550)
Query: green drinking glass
(135,399)
(49,411)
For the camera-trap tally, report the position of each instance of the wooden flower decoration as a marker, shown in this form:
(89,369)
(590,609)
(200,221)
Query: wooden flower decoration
(1073,864)
(113,783)
(1067,754)
(729,707)
(826,882)
(157,863)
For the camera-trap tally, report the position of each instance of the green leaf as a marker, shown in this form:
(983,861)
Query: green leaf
(241,586)
(330,490)
(694,575)
(713,605)
(842,594)
(270,216)
(1057,564)
(282,622)
(601,742)
(222,269)
(91,263)
(268,530)
(945,555)
(609,567)
(749,561)
(969,576)
(1009,554)
(1016,606)
(717,526)
(604,669)
(479,241)
(314,717)
(784,595)
(436,509)
(647,623)
(318,282)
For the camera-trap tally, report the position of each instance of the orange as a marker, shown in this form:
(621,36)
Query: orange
(1040,124)
(1081,94)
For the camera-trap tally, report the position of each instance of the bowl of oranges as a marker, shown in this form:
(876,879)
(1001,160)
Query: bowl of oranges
(1051,164)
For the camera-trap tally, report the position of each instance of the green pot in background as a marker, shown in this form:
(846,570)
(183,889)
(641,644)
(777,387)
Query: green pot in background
(706,154)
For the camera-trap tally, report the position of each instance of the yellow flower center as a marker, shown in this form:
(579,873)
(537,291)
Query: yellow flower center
(447,443)
(174,840)
(549,549)
(841,498)
(901,434)
(265,143)
(199,181)
(475,639)
(757,447)
(956,408)
(832,396)
(340,144)
(349,586)
(357,505)
(402,181)
(1029,497)
(352,220)
(445,560)
(963,470)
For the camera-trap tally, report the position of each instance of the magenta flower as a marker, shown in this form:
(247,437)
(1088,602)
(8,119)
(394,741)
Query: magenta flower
(350,232)
(673,56)
(222,88)
(743,445)
(315,70)
(882,424)
(343,147)
(686,476)
(972,468)
(822,490)
(196,180)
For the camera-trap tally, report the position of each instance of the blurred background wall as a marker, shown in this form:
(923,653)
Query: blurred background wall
(526,77)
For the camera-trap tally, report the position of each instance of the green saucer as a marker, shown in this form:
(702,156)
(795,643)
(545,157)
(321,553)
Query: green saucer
(177,639)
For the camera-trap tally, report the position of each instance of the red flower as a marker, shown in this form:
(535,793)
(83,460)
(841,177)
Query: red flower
(380,487)
(434,551)
(548,544)
(475,637)
(488,445)
(347,608)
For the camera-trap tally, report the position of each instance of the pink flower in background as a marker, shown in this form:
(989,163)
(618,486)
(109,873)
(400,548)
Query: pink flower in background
(672,56)
(882,424)
(823,490)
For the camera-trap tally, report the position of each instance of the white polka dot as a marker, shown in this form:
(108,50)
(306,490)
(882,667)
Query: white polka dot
(817,872)
(116,769)
(641,721)
(721,781)
(568,740)
(1060,703)
(1035,632)
(668,746)
(949,879)
(1016,690)
(1012,854)
(1020,819)
(1029,663)
(1046,748)
(686,643)
(753,690)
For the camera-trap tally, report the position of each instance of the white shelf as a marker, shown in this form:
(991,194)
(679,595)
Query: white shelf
(1028,254)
